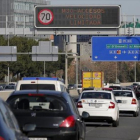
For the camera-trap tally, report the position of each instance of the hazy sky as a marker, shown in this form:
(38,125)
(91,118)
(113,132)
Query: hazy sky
(128,7)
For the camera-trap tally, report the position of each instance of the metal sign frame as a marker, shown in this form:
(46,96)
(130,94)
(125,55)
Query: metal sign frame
(35,19)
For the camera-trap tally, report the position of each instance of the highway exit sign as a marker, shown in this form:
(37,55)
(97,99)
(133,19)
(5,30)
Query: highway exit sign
(77,16)
(123,48)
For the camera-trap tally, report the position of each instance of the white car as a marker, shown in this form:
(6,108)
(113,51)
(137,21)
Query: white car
(127,101)
(43,83)
(100,105)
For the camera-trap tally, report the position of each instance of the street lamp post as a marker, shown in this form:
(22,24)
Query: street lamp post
(8,64)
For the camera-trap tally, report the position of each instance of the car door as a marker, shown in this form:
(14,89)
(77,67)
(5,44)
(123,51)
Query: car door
(12,123)
(80,122)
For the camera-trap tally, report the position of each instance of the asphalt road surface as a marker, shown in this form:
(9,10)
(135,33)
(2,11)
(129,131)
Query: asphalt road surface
(128,129)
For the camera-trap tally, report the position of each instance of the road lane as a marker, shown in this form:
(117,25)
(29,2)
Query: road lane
(129,129)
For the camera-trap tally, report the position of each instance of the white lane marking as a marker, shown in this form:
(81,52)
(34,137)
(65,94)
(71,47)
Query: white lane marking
(89,130)
(93,128)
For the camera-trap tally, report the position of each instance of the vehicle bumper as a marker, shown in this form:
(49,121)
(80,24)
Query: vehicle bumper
(99,119)
(101,115)
(132,108)
(53,134)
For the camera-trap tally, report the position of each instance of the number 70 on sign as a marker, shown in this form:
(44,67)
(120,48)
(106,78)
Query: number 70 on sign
(45,16)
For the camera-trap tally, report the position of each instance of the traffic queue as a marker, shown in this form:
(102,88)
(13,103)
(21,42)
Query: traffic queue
(41,108)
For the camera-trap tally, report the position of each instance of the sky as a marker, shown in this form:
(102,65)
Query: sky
(128,7)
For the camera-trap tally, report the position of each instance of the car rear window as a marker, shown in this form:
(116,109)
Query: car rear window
(115,87)
(96,95)
(9,87)
(37,86)
(37,103)
(123,93)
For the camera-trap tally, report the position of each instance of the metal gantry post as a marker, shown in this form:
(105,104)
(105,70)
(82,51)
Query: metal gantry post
(66,66)
(8,75)
(135,66)
(76,71)
(116,72)
(44,68)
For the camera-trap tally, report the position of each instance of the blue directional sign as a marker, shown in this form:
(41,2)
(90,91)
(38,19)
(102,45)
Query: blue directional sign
(116,48)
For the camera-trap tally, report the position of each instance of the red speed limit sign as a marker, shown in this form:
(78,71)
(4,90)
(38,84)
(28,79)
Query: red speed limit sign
(45,16)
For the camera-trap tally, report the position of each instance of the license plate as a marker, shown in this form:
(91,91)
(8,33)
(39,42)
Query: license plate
(124,101)
(37,138)
(121,101)
(95,105)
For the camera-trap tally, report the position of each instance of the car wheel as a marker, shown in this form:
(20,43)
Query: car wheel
(135,114)
(115,123)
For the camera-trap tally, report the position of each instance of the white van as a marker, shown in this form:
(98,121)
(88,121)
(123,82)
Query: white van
(43,83)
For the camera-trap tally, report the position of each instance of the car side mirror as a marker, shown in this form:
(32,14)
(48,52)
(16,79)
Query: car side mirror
(85,115)
(29,127)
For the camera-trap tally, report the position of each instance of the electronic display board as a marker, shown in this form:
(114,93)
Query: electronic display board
(77,16)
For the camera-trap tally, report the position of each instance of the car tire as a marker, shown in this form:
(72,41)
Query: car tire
(115,123)
(135,114)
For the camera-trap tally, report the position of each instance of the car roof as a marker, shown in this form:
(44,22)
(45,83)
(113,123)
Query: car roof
(46,92)
(123,90)
(97,91)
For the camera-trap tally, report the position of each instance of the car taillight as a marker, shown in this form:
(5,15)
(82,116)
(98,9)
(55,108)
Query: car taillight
(79,104)
(112,105)
(68,122)
(1,138)
(134,101)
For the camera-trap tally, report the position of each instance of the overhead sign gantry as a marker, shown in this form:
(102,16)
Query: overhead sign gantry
(77,16)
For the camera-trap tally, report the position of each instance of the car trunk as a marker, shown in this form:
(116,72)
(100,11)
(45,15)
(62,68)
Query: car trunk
(42,119)
(124,102)
(96,104)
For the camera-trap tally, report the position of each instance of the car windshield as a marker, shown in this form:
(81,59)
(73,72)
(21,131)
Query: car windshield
(37,86)
(96,95)
(37,102)
(123,93)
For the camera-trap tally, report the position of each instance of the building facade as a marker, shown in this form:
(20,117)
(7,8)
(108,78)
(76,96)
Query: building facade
(19,12)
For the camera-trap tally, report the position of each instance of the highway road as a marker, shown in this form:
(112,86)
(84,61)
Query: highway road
(129,128)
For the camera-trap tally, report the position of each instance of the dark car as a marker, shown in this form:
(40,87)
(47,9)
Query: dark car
(137,91)
(9,129)
(47,114)
(107,89)
(9,87)
(71,86)
(116,87)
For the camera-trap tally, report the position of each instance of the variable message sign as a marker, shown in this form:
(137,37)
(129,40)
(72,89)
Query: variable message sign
(77,16)
(116,48)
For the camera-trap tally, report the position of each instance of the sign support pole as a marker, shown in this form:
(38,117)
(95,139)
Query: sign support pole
(44,68)
(135,61)
(116,72)
(76,71)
